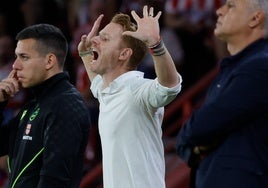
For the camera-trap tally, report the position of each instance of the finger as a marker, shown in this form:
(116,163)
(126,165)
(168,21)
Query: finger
(5,95)
(158,15)
(151,12)
(9,86)
(145,11)
(129,33)
(82,44)
(83,38)
(6,92)
(12,74)
(10,89)
(16,86)
(135,15)
(95,27)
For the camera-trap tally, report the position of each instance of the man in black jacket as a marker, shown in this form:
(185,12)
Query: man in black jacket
(45,142)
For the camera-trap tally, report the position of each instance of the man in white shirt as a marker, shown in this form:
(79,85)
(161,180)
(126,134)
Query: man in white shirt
(131,107)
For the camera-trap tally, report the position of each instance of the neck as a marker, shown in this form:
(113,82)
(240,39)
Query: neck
(236,45)
(108,78)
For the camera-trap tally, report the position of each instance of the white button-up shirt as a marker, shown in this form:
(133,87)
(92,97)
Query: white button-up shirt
(131,114)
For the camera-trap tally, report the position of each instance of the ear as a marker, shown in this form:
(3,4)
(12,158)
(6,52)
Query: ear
(257,19)
(125,54)
(51,61)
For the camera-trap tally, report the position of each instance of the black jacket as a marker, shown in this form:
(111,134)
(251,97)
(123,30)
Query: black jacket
(46,141)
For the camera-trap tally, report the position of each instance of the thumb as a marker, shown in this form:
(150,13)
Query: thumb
(129,33)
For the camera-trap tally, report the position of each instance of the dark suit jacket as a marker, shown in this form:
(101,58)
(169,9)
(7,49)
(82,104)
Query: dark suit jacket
(233,123)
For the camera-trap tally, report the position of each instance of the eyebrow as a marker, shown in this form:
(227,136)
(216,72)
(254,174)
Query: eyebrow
(101,33)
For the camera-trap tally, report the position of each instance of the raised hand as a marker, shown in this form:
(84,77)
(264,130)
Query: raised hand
(148,26)
(9,86)
(85,42)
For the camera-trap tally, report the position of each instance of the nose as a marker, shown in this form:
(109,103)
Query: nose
(219,11)
(95,40)
(16,65)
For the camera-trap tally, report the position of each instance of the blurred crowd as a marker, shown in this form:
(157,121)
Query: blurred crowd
(186,28)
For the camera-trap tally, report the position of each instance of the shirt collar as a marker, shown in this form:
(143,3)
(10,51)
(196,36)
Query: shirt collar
(250,49)
(120,81)
(51,85)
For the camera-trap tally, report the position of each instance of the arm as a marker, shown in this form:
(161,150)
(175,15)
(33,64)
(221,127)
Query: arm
(64,142)
(149,32)
(4,133)
(239,102)
(8,88)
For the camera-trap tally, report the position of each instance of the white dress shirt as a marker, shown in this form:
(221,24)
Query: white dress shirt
(130,119)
